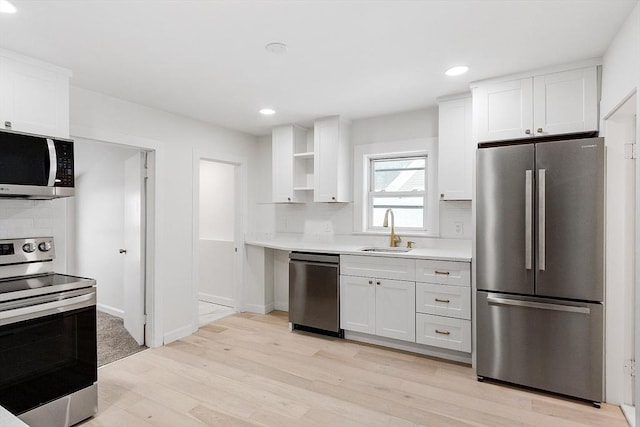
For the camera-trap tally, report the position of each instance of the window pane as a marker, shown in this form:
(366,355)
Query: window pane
(408,211)
(399,174)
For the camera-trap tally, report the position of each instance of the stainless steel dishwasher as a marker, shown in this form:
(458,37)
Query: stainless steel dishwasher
(314,292)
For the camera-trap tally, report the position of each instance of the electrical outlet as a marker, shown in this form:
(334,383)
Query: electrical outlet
(458,228)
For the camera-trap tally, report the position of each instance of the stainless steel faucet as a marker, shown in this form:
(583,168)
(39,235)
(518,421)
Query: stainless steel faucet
(394,239)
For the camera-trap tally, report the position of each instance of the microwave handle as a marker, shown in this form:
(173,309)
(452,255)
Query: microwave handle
(53,163)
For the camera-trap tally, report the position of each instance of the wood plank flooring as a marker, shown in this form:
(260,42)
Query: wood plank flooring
(249,370)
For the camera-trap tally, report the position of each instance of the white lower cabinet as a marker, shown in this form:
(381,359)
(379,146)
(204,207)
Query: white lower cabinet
(382,307)
(444,332)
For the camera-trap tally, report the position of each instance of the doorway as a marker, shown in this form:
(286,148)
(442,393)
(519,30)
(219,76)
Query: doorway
(620,251)
(109,233)
(217,231)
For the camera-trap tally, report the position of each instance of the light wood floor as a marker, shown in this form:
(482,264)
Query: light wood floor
(249,369)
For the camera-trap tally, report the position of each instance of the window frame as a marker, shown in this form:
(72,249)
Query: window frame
(371,193)
(363,152)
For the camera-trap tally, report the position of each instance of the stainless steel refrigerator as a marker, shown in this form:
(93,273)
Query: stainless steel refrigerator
(539,255)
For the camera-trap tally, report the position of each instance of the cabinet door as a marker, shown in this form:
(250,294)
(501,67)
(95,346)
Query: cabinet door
(282,163)
(455,149)
(34,99)
(504,110)
(358,304)
(565,102)
(396,309)
(332,171)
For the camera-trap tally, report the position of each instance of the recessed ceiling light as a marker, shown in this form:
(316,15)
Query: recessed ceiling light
(456,71)
(7,7)
(276,48)
(267,111)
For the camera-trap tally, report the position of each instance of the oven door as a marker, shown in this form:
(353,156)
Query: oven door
(47,348)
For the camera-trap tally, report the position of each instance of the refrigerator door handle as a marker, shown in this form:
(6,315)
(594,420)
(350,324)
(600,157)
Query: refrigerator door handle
(541,219)
(539,305)
(528,218)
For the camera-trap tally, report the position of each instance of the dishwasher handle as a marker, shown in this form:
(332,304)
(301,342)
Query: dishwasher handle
(314,257)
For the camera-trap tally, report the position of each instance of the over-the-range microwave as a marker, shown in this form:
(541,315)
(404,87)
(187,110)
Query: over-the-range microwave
(35,166)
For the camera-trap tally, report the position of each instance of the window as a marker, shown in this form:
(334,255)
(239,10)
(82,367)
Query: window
(398,183)
(400,175)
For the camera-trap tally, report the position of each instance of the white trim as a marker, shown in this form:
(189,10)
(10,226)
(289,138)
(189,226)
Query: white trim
(36,62)
(110,310)
(630,414)
(259,309)
(281,306)
(240,164)
(213,299)
(176,334)
(418,147)
(442,353)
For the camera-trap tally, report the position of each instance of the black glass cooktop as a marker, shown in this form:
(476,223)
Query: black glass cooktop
(22,287)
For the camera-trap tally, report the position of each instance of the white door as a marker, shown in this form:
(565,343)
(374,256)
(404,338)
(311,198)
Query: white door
(396,309)
(217,225)
(358,304)
(134,238)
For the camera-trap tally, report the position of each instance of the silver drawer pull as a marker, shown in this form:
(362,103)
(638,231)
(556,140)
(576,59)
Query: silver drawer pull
(446,273)
(443,332)
(442,300)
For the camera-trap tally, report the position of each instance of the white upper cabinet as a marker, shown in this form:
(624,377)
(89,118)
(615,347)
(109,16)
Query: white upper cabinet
(34,96)
(549,104)
(455,148)
(565,102)
(287,142)
(332,172)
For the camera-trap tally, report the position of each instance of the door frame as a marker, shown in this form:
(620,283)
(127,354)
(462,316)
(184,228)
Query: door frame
(240,206)
(153,307)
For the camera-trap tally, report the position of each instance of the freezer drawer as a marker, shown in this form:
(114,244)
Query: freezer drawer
(553,345)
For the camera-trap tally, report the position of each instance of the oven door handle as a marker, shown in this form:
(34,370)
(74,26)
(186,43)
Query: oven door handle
(46,309)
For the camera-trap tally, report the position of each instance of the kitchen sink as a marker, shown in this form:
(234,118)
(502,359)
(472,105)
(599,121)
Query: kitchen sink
(384,249)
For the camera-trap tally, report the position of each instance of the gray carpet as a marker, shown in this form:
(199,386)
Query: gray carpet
(114,342)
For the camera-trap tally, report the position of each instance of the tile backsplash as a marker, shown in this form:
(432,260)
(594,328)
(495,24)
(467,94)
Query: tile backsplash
(27,218)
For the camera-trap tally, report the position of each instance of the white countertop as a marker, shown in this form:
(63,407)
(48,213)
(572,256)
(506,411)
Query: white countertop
(439,249)
(7,419)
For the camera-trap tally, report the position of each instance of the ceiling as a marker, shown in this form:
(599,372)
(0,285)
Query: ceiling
(207,59)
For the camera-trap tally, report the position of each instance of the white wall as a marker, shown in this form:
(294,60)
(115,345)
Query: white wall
(620,80)
(99,219)
(174,139)
(217,190)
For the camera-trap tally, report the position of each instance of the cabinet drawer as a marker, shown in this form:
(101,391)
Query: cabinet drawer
(445,332)
(443,300)
(444,272)
(378,267)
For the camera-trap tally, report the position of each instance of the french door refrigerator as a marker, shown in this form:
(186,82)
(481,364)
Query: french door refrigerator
(539,254)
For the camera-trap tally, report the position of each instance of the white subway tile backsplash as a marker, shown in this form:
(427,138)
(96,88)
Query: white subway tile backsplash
(26,218)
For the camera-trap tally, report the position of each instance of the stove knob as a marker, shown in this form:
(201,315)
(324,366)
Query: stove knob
(44,246)
(29,247)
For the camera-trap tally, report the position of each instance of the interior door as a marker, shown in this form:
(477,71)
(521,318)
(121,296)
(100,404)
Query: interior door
(570,216)
(134,237)
(504,219)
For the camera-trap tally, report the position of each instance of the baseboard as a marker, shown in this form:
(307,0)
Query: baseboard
(110,310)
(630,414)
(176,334)
(213,299)
(442,353)
(259,309)
(281,306)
